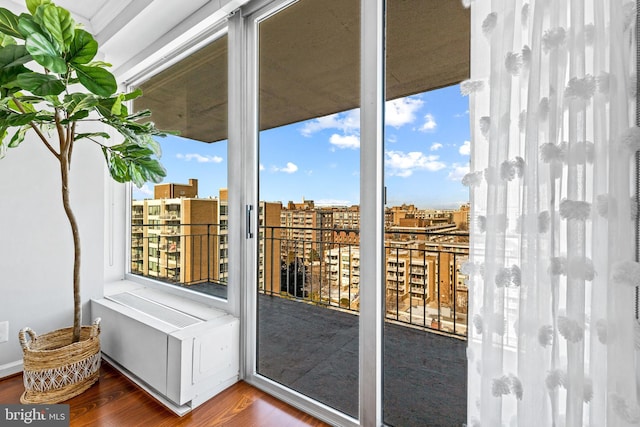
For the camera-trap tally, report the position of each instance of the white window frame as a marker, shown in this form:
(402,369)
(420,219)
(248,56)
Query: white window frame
(167,58)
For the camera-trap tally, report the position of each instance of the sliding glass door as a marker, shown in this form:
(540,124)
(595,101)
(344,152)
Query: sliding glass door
(356,218)
(426,214)
(307,262)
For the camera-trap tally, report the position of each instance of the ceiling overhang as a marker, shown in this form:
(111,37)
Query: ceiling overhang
(309,65)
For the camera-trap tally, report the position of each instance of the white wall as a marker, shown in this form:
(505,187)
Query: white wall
(36,249)
(115,226)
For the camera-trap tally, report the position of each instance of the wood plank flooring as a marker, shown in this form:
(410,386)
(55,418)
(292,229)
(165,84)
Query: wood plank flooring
(114,401)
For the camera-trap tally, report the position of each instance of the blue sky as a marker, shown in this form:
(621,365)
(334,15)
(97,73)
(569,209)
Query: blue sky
(426,155)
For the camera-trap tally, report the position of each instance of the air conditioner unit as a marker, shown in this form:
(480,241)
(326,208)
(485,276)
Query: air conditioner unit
(180,351)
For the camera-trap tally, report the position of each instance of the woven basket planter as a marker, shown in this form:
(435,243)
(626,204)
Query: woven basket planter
(55,369)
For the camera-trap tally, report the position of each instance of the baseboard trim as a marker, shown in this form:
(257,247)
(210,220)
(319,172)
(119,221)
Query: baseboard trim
(9,369)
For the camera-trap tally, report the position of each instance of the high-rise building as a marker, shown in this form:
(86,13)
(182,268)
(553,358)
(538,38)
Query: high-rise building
(306,231)
(269,247)
(223,233)
(179,238)
(343,282)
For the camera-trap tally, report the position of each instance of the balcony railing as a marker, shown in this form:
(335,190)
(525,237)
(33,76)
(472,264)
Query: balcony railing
(309,270)
(184,254)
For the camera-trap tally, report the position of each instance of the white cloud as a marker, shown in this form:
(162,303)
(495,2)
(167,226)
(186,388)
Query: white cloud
(345,141)
(435,146)
(346,122)
(199,158)
(458,171)
(392,139)
(290,168)
(261,167)
(402,111)
(144,190)
(332,202)
(465,148)
(429,123)
(404,164)
(398,112)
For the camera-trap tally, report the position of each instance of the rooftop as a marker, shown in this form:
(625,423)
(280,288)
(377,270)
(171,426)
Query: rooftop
(314,351)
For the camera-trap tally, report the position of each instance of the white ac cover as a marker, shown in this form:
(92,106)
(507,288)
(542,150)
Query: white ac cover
(181,350)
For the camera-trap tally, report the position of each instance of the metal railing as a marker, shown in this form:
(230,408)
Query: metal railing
(185,254)
(424,287)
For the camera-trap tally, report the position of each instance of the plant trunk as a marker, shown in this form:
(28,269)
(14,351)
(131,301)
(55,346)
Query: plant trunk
(77,303)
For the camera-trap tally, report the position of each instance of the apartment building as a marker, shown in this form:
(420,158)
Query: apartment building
(342,287)
(170,190)
(346,223)
(423,281)
(306,230)
(177,239)
(269,247)
(223,233)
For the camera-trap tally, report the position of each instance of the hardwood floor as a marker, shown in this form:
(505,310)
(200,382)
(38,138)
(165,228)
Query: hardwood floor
(114,401)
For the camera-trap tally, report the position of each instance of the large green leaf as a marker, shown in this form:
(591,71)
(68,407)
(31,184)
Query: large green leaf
(80,102)
(41,84)
(9,75)
(3,145)
(117,168)
(130,162)
(6,40)
(106,107)
(93,135)
(83,48)
(32,5)
(45,53)
(116,109)
(101,64)
(27,26)
(96,79)
(133,94)
(9,23)
(13,55)
(14,119)
(58,22)
(25,103)
(18,137)
(53,100)
(139,115)
(82,114)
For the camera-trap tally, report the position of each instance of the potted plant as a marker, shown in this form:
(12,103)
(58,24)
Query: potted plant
(51,84)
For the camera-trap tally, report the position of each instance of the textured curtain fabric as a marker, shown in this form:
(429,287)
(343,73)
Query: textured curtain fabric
(553,337)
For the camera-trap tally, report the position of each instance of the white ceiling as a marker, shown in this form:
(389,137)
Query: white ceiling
(128,30)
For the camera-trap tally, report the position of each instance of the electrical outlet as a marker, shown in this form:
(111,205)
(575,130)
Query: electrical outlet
(4,331)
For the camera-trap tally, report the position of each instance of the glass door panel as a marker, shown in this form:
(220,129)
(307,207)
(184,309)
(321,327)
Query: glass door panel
(426,215)
(308,251)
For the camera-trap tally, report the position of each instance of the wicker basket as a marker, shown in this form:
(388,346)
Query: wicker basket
(55,369)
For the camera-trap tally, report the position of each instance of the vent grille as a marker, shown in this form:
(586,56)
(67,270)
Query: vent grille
(153,309)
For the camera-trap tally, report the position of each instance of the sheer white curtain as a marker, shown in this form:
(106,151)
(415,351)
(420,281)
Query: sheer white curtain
(552,271)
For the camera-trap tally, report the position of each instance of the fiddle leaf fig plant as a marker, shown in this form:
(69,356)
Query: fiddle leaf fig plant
(52,85)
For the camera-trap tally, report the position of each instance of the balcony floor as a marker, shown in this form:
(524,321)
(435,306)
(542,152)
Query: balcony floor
(314,350)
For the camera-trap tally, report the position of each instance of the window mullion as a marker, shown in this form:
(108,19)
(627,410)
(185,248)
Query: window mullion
(372,66)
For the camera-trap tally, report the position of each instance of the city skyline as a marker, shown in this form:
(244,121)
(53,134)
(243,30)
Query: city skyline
(426,155)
